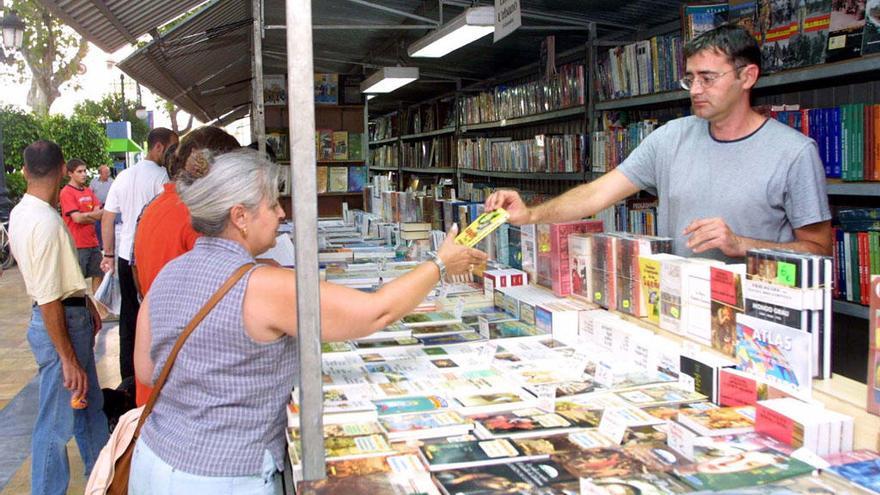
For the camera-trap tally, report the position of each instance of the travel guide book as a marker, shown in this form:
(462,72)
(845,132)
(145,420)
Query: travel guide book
(484,225)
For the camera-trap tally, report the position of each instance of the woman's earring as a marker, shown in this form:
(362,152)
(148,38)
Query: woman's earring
(243,232)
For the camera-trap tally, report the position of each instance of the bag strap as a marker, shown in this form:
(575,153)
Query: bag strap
(187,331)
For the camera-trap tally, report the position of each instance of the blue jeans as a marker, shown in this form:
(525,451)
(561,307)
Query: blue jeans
(150,475)
(56,420)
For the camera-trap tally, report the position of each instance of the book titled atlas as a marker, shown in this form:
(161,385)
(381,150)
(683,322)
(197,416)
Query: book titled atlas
(484,225)
(777,352)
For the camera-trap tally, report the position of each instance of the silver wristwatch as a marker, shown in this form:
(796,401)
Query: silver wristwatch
(440,265)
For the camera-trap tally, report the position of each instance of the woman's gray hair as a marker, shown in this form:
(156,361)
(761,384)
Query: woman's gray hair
(241,177)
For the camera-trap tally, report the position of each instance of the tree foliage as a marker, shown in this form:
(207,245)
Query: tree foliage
(51,50)
(110,108)
(79,137)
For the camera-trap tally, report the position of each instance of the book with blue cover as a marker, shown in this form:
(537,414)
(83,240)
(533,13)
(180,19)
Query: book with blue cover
(865,473)
(781,354)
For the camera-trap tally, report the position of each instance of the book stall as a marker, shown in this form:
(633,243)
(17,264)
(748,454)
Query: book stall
(582,361)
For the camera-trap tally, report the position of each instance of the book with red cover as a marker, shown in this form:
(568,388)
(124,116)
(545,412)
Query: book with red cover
(727,302)
(560,268)
(874,347)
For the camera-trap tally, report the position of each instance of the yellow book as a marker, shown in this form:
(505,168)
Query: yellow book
(649,271)
(484,225)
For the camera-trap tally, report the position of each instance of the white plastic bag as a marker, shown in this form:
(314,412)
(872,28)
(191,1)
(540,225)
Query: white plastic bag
(108,293)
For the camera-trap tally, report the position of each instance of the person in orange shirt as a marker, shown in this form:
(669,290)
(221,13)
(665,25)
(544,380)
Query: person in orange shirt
(164,231)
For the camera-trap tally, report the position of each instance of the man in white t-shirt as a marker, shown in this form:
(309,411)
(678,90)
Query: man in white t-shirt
(130,192)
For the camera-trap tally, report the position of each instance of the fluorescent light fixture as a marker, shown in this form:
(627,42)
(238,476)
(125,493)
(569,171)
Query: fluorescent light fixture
(387,79)
(370,97)
(470,25)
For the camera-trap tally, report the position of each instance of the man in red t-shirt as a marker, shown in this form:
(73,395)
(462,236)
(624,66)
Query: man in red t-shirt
(80,209)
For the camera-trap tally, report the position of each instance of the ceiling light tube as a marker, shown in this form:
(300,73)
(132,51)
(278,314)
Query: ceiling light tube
(469,26)
(387,79)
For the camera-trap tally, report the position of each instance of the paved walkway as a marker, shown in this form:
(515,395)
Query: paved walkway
(19,388)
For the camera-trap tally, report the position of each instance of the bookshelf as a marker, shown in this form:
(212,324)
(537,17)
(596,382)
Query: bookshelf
(524,175)
(430,171)
(328,118)
(840,188)
(850,309)
(422,135)
(567,113)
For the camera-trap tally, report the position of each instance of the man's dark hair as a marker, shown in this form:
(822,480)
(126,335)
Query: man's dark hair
(159,135)
(737,43)
(74,163)
(42,158)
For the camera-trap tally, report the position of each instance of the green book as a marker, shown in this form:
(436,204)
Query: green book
(751,468)
(856,294)
(355,146)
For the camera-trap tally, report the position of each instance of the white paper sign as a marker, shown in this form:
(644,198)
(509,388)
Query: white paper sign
(487,352)
(810,457)
(484,327)
(604,374)
(508,17)
(613,425)
(686,382)
(459,308)
(680,439)
(546,397)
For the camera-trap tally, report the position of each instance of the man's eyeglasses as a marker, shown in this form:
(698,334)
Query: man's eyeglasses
(706,79)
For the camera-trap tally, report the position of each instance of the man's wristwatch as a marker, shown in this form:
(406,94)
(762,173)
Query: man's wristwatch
(109,255)
(440,265)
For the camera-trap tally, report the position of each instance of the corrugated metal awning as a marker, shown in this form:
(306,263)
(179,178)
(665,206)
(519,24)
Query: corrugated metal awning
(204,64)
(113,24)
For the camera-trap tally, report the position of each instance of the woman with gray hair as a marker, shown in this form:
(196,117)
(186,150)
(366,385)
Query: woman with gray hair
(218,426)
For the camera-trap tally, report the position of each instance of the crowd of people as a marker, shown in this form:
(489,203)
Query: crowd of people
(193,211)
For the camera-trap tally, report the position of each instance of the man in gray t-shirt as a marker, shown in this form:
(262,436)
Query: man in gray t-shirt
(727,178)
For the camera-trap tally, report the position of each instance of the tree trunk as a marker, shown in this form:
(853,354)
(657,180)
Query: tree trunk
(38,98)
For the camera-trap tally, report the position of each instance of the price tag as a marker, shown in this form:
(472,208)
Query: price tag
(546,397)
(604,374)
(786,273)
(579,361)
(810,457)
(487,352)
(613,425)
(680,439)
(686,382)
(484,326)
(459,308)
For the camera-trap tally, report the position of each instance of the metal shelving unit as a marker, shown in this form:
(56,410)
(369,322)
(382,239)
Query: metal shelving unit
(838,188)
(383,141)
(422,135)
(433,170)
(529,119)
(384,169)
(850,309)
(794,76)
(524,175)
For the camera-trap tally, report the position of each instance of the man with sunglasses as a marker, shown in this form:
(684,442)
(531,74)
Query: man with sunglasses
(727,178)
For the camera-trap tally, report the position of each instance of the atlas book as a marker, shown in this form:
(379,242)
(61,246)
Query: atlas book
(776,352)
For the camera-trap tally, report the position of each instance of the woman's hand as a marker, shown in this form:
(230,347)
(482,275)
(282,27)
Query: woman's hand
(457,258)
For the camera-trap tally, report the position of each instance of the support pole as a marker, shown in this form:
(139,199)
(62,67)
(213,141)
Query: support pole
(300,84)
(258,117)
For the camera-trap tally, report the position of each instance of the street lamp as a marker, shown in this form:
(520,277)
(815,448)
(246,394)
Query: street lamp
(13,31)
(13,37)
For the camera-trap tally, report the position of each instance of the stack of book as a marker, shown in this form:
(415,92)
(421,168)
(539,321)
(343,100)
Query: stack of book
(612,146)
(641,68)
(385,156)
(384,127)
(563,89)
(856,252)
(431,153)
(542,153)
